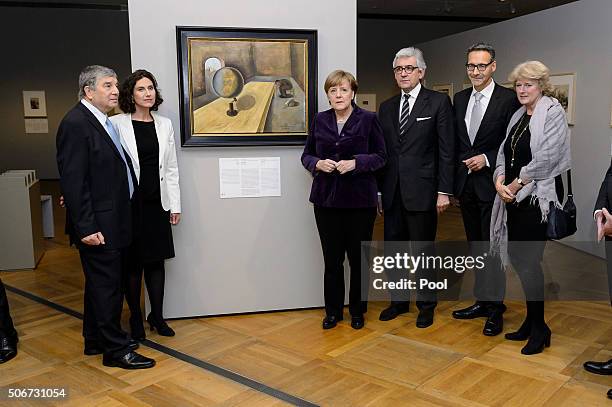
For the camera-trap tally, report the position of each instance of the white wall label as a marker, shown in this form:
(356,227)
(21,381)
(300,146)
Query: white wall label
(251,177)
(36,126)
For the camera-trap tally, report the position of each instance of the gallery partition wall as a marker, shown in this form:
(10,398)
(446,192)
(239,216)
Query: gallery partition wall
(241,254)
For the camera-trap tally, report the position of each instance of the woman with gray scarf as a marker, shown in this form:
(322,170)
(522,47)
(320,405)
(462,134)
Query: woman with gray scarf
(536,151)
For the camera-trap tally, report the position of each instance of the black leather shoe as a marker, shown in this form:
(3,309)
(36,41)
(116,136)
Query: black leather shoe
(8,347)
(161,326)
(393,311)
(537,343)
(604,368)
(357,322)
(494,325)
(330,321)
(425,318)
(131,360)
(610,394)
(476,310)
(93,349)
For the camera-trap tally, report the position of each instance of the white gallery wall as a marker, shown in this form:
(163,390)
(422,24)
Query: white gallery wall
(575,37)
(252,254)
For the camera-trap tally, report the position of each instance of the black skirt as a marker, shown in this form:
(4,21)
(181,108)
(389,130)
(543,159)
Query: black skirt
(155,238)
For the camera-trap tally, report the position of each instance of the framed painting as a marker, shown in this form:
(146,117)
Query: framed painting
(246,87)
(564,90)
(445,88)
(34,103)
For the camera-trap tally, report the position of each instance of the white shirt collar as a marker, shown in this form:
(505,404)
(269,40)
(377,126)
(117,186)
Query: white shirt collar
(96,112)
(486,92)
(414,92)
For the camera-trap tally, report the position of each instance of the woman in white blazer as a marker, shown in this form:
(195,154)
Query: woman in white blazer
(149,140)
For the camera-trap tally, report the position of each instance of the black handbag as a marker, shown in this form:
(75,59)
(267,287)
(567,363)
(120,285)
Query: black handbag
(562,221)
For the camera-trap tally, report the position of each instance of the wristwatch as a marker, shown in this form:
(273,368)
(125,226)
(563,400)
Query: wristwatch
(520,182)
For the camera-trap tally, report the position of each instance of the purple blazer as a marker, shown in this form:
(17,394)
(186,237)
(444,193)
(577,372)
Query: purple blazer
(361,139)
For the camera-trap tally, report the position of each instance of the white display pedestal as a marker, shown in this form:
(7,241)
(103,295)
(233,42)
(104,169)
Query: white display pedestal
(21,236)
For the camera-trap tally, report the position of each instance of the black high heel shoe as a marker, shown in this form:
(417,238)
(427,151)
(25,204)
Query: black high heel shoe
(162,328)
(537,343)
(522,334)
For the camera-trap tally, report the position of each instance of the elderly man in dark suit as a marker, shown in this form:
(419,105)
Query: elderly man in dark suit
(417,181)
(482,113)
(8,334)
(604,228)
(97,183)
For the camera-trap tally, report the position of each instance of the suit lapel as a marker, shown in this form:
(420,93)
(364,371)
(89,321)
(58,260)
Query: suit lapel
(396,113)
(493,103)
(461,107)
(103,133)
(128,138)
(161,138)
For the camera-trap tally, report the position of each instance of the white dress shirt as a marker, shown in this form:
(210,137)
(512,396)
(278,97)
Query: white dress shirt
(96,112)
(413,95)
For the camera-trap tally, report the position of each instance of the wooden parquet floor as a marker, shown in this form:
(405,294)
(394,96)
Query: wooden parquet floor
(385,364)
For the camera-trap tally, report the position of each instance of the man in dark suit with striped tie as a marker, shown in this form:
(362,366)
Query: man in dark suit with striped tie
(417,182)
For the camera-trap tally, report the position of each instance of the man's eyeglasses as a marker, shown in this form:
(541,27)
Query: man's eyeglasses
(481,67)
(408,69)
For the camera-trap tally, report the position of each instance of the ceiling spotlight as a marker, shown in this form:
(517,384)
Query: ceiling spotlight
(502,1)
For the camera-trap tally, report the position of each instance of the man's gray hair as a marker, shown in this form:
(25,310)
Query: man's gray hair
(482,46)
(411,52)
(89,77)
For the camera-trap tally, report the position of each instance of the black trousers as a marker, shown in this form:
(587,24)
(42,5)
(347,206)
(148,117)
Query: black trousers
(103,299)
(341,231)
(490,282)
(6,323)
(416,226)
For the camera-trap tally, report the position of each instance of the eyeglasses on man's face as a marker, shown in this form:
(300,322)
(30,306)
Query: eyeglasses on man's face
(480,67)
(406,68)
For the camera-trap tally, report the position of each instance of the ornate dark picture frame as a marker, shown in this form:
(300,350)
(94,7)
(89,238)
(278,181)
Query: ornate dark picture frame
(246,86)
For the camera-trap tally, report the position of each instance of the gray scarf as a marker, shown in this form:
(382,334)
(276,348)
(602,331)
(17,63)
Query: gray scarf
(550,151)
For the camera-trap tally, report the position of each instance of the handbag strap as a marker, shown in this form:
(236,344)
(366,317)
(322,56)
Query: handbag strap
(569,184)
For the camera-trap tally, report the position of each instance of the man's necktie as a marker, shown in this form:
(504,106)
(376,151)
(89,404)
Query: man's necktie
(404,114)
(115,137)
(477,113)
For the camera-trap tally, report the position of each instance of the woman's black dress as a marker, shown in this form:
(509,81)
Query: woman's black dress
(155,234)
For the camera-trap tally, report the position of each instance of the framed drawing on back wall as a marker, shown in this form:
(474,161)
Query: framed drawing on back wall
(241,87)
(564,90)
(446,88)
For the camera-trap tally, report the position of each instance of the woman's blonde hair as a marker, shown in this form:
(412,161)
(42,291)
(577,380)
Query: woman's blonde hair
(336,77)
(534,70)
